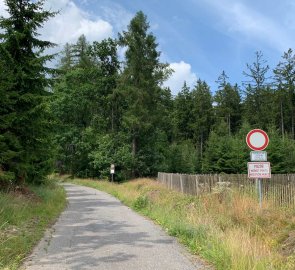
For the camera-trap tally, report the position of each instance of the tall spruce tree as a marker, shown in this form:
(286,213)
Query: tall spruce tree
(25,121)
(202,112)
(285,81)
(85,102)
(228,103)
(259,95)
(140,85)
(9,144)
(183,105)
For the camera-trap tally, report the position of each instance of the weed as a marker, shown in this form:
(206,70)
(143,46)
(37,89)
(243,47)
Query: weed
(23,220)
(225,228)
(140,203)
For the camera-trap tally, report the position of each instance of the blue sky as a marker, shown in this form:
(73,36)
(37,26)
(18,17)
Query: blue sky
(199,38)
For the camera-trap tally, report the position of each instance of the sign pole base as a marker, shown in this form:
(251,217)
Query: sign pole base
(260,192)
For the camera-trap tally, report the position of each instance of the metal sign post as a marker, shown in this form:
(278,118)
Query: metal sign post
(258,171)
(112,171)
(258,168)
(260,191)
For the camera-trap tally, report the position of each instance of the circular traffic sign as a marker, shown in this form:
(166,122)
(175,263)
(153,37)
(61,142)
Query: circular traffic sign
(257,139)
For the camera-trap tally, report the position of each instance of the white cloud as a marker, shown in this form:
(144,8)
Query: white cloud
(3,11)
(122,52)
(237,17)
(118,16)
(72,22)
(182,73)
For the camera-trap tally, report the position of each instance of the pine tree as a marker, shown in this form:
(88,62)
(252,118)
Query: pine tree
(80,52)
(183,105)
(22,53)
(259,95)
(66,60)
(104,56)
(285,81)
(140,84)
(228,103)
(202,112)
(85,101)
(226,153)
(9,143)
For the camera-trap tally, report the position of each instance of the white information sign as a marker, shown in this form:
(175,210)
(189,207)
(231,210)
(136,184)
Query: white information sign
(112,170)
(258,156)
(259,170)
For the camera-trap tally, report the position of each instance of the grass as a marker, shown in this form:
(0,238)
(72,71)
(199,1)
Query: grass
(23,220)
(230,232)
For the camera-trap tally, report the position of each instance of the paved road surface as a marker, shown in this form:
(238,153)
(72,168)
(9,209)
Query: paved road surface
(97,232)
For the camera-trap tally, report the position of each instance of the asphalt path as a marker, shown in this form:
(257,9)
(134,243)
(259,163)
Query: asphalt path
(96,231)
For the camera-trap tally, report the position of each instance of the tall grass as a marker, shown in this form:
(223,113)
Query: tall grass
(229,230)
(23,220)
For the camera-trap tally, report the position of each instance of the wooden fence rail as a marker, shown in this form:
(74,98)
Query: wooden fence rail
(280,189)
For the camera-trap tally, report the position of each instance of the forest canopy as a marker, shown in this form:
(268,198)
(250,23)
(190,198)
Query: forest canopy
(96,109)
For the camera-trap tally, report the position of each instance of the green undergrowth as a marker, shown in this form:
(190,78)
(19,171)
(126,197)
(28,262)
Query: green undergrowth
(230,232)
(24,216)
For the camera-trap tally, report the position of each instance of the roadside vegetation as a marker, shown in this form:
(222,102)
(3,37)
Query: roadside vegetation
(24,216)
(96,109)
(228,230)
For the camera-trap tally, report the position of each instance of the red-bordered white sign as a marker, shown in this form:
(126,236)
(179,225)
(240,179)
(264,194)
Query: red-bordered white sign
(257,139)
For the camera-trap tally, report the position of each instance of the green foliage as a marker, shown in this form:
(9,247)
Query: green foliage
(229,154)
(281,152)
(140,203)
(183,158)
(259,101)
(86,107)
(112,150)
(25,121)
(127,118)
(183,115)
(213,226)
(225,153)
(101,111)
(285,82)
(140,84)
(202,111)
(23,221)
(228,104)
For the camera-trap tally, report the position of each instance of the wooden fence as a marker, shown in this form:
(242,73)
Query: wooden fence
(280,189)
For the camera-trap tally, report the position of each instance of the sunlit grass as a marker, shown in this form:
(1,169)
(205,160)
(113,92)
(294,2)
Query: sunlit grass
(23,220)
(229,230)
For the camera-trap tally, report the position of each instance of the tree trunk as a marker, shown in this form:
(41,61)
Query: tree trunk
(292,122)
(229,125)
(134,149)
(112,118)
(282,121)
(201,145)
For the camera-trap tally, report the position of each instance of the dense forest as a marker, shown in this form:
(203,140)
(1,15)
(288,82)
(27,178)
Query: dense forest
(95,109)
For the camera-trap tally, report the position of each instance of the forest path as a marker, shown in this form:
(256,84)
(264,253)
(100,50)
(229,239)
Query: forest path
(97,231)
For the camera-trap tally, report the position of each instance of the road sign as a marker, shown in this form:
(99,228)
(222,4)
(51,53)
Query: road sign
(258,156)
(257,139)
(112,168)
(259,170)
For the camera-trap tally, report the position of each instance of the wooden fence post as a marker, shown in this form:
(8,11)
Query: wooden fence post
(181,183)
(280,190)
(197,185)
